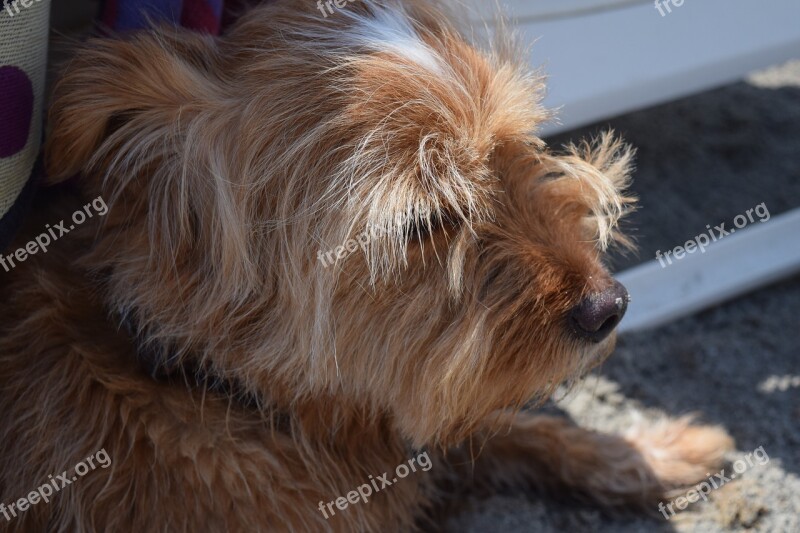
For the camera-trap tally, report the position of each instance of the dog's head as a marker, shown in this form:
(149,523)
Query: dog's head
(352,206)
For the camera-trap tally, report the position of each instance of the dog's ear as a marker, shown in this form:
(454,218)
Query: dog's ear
(138,119)
(119,91)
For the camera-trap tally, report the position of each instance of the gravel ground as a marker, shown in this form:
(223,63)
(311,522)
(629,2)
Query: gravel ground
(702,160)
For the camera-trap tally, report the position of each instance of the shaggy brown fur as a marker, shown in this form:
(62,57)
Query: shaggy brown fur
(228,165)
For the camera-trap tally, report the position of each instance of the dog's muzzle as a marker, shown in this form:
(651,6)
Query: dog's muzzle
(598,314)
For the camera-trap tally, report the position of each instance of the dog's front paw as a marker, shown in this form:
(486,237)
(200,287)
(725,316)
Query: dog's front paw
(678,452)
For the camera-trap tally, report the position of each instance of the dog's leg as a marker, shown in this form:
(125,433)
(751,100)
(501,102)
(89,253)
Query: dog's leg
(613,470)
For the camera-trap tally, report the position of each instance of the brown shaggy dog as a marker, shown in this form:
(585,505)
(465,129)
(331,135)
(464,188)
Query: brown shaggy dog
(238,381)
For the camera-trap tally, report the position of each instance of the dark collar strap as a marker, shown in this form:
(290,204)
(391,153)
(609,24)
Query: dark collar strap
(166,367)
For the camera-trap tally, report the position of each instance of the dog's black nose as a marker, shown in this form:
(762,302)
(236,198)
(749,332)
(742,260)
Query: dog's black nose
(598,314)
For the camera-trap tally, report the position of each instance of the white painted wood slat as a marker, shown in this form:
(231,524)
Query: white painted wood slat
(607,57)
(746,260)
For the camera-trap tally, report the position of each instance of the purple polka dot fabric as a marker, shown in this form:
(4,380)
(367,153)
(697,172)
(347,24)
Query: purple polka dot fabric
(16,110)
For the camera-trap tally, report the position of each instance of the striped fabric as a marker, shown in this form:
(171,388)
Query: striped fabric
(23,60)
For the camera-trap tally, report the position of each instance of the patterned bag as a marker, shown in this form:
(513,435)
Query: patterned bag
(24,27)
